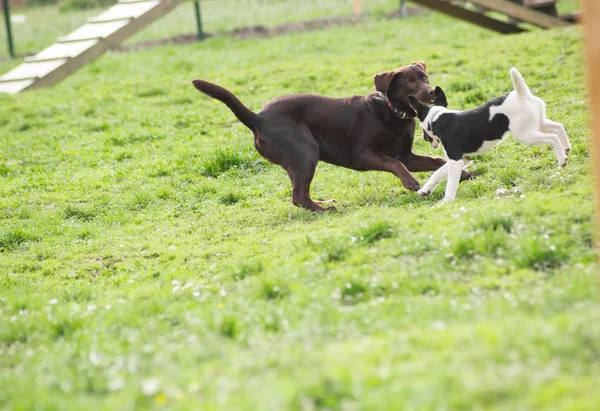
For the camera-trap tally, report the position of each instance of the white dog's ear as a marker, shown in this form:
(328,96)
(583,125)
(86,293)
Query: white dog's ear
(440,97)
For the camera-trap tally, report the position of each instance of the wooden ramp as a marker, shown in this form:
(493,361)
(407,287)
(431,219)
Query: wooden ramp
(541,13)
(85,44)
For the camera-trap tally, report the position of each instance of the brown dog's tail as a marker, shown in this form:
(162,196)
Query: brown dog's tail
(243,113)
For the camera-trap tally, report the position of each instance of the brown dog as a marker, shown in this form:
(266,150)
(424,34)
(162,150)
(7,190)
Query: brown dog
(373,132)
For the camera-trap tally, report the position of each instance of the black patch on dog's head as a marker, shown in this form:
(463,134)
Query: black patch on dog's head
(440,97)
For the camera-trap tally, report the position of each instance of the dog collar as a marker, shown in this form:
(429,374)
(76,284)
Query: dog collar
(402,115)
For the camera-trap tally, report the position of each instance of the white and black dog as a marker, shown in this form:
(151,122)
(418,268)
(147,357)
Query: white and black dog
(473,132)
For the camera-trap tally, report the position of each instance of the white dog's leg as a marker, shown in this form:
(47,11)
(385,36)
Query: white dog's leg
(558,129)
(436,178)
(454,170)
(539,138)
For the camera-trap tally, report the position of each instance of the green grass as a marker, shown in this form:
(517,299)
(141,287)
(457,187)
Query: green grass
(45,24)
(149,258)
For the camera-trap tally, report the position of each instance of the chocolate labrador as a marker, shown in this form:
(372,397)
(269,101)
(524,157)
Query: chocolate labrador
(373,132)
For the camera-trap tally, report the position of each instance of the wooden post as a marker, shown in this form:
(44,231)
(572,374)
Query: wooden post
(591,29)
(357,7)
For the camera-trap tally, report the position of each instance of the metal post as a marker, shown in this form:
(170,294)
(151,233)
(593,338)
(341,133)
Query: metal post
(11,47)
(198,20)
(403,10)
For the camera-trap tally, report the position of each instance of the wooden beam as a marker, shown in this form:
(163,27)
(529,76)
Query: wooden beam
(357,7)
(64,58)
(591,31)
(470,16)
(521,13)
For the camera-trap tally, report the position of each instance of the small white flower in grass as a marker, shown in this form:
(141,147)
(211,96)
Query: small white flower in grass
(95,358)
(552,247)
(175,282)
(439,325)
(150,386)
(116,384)
(91,307)
(53,301)
(108,307)
(196,293)
(194,386)
(144,252)
(121,246)
(223,292)
(172,247)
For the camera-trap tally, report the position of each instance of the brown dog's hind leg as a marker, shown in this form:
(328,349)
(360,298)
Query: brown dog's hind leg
(301,178)
(294,148)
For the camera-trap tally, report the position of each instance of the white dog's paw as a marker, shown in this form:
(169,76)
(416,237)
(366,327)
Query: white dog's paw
(424,192)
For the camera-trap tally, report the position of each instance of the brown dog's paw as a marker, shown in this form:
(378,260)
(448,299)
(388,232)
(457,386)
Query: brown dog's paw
(466,175)
(412,184)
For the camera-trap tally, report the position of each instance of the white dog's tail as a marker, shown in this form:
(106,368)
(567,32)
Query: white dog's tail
(520,86)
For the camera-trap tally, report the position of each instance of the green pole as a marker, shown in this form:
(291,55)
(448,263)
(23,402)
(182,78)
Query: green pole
(11,47)
(198,20)
(403,11)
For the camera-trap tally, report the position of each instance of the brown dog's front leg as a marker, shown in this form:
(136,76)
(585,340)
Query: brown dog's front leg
(416,163)
(372,160)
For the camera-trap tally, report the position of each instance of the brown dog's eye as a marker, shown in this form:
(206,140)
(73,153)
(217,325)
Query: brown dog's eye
(411,84)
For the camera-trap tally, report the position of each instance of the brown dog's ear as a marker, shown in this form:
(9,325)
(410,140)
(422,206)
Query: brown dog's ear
(421,64)
(383,80)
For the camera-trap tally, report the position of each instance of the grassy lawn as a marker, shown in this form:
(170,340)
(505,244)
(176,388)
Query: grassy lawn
(44,24)
(149,258)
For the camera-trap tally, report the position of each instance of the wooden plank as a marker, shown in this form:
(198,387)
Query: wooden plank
(62,50)
(573,17)
(93,31)
(521,13)
(591,32)
(13,87)
(102,45)
(32,70)
(125,10)
(539,3)
(470,16)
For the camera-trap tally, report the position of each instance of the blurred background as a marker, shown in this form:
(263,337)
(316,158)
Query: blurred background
(37,23)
